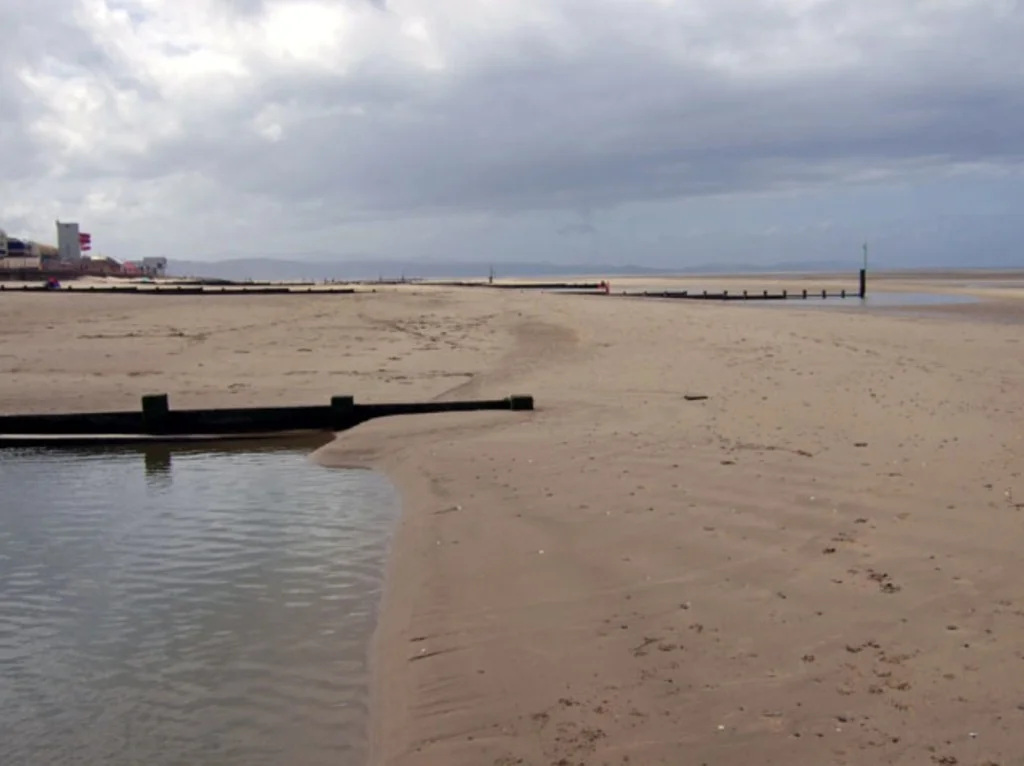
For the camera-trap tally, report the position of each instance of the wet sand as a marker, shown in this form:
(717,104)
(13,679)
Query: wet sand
(818,563)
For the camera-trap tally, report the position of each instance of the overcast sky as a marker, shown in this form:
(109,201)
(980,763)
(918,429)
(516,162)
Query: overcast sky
(645,131)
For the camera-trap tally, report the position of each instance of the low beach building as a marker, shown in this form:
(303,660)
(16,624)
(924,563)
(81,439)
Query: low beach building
(154,267)
(101,266)
(22,258)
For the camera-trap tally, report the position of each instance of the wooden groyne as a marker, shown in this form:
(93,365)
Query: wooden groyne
(156,421)
(585,286)
(744,295)
(178,290)
(604,288)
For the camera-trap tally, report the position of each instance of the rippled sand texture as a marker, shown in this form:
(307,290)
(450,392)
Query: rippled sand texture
(213,610)
(819,563)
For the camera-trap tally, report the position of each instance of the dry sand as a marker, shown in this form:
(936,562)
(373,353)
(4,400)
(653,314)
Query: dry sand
(819,563)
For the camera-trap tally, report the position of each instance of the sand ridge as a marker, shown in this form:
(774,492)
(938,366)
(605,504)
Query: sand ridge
(816,564)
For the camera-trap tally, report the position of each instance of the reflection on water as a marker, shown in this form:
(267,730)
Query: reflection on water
(996,284)
(913,299)
(186,607)
(872,300)
(158,461)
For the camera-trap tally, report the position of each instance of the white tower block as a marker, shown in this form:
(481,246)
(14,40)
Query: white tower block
(68,246)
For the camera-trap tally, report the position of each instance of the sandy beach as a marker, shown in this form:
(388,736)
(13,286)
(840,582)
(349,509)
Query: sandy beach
(816,563)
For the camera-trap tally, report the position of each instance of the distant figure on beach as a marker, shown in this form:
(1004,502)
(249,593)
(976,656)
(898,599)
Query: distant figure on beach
(52,284)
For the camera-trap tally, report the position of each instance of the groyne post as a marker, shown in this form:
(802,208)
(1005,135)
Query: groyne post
(155,412)
(342,412)
(864,274)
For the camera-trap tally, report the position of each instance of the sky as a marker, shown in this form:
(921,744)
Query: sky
(654,132)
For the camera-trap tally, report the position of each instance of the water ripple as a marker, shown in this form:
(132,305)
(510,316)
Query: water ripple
(197,608)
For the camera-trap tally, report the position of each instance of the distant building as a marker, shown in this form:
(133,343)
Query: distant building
(19,263)
(69,244)
(21,248)
(20,255)
(27,259)
(101,266)
(154,267)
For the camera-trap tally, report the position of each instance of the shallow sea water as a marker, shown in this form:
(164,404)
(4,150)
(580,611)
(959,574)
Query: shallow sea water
(186,607)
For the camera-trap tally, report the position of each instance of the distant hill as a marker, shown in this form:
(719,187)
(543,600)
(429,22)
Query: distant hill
(357,270)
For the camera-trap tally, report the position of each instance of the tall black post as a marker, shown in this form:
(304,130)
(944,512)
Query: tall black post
(864,275)
(155,413)
(342,412)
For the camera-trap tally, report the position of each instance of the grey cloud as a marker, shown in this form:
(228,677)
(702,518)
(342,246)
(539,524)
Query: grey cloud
(616,122)
(45,38)
(613,105)
(255,8)
(243,8)
(576,230)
